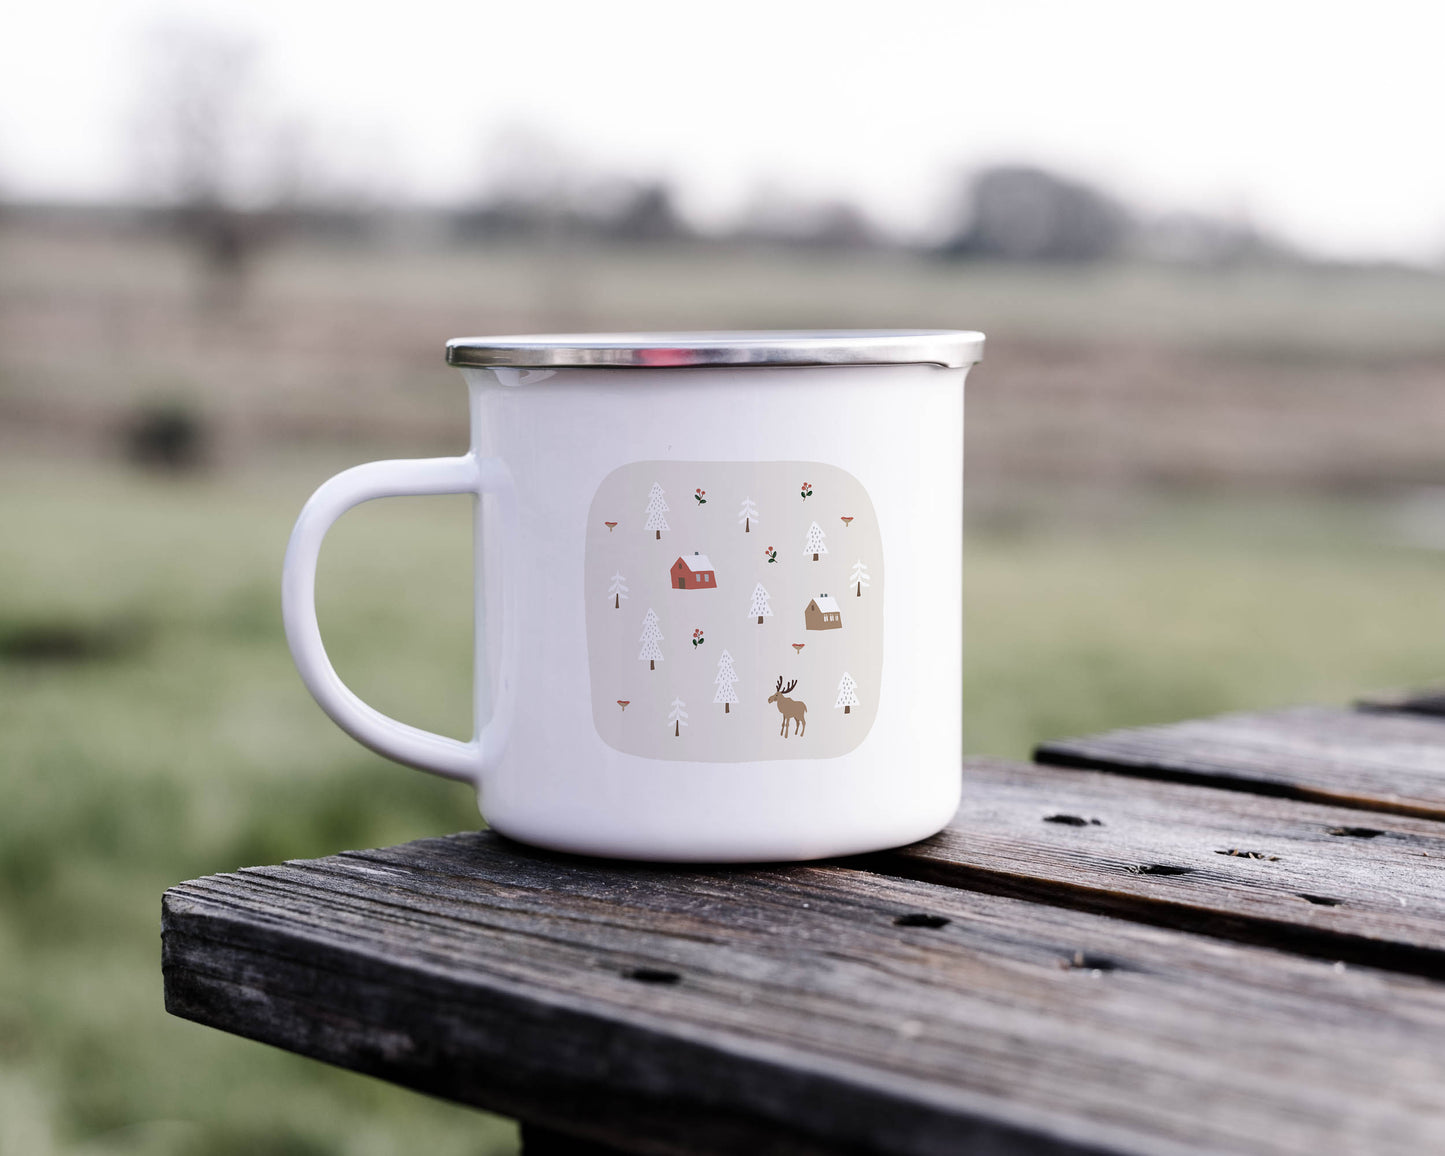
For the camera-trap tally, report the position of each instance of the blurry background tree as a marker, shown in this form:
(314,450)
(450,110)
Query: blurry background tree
(643,212)
(535,188)
(1024,213)
(203,149)
(774,217)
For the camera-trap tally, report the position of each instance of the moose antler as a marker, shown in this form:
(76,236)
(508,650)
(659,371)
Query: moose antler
(779,687)
(788,689)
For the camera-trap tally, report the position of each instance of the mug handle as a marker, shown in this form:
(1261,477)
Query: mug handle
(407,744)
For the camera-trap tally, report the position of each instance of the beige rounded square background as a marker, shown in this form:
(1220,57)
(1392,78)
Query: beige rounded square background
(664,568)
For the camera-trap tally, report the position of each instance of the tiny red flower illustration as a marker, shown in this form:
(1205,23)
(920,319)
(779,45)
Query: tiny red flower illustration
(697,638)
(807,490)
(772,555)
(698,497)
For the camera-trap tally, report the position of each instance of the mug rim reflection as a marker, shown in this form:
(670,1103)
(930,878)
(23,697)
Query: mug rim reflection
(949,348)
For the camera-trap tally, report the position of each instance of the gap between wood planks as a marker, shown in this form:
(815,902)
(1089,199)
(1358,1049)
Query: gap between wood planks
(1366,760)
(1324,881)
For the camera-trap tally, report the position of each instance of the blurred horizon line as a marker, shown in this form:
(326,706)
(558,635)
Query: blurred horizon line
(1008,213)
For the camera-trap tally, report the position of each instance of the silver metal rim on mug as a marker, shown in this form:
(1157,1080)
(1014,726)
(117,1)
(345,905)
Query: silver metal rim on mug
(951,348)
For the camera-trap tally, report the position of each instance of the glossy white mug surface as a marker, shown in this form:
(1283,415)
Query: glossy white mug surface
(718,600)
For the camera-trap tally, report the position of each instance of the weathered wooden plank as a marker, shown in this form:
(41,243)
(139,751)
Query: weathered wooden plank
(1373,761)
(802,1009)
(1334,882)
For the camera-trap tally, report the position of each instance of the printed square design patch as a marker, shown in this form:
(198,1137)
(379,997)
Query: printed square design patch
(734,610)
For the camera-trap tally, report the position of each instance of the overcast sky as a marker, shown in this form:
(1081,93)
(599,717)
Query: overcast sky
(1319,121)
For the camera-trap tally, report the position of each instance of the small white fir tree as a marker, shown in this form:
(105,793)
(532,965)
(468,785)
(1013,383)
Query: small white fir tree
(759,607)
(847,693)
(726,682)
(859,578)
(618,590)
(678,717)
(815,544)
(656,507)
(651,652)
(747,515)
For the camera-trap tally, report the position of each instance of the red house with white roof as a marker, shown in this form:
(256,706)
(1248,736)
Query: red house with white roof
(693,572)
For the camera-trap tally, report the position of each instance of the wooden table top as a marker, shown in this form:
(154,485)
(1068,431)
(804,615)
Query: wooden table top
(1220,936)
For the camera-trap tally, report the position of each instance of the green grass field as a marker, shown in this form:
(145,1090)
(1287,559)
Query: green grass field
(152,729)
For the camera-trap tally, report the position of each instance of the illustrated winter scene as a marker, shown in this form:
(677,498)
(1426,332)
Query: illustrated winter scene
(734,610)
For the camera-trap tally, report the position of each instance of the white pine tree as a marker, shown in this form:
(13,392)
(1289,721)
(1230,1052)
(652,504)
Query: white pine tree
(656,507)
(726,681)
(815,545)
(859,577)
(847,693)
(651,635)
(759,606)
(618,590)
(678,717)
(748,515)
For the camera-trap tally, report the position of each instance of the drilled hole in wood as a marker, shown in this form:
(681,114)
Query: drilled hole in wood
(1238,854)
(1083,961)
(1072,821)
(1320,900)
(920,919)
(1356,832)
(1159,869)
(653,975)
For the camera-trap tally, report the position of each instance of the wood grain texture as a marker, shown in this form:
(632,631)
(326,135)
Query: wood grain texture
(1337,883)
(1370,760)
(802,1009)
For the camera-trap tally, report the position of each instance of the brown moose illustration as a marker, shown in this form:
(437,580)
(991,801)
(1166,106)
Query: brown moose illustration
(791,709)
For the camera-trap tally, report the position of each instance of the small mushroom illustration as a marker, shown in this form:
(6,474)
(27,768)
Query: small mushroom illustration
(610,526)
(622,702)
(847,519)
(798,647)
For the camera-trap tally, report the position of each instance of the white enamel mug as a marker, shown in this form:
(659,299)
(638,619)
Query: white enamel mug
(718,600)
